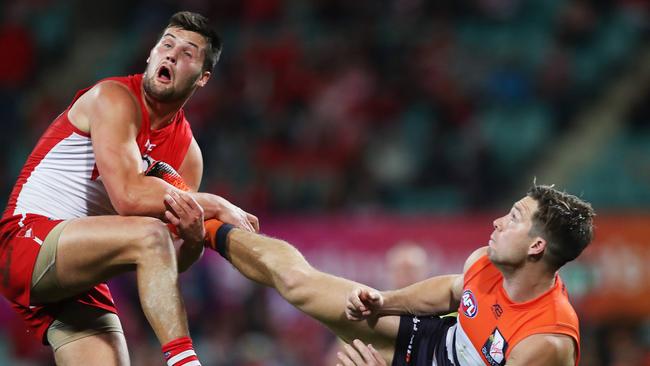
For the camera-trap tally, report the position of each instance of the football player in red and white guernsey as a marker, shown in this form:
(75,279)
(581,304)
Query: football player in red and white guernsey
(83,211)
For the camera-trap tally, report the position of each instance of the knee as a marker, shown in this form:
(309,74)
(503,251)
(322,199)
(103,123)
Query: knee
(153,239)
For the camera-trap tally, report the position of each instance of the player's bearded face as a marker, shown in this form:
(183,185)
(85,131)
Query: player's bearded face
(178,90)
(175,66)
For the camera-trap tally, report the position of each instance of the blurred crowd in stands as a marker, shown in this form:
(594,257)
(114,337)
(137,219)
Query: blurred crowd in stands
(340,106)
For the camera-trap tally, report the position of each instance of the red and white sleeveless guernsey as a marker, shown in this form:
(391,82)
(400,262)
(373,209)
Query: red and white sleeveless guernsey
(490,325)
(60,181)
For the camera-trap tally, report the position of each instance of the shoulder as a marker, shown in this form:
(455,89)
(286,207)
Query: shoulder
(109,101)
(457,286)
(107,97)
(543,349)
(564,315)
(113,92)
(474,257)
(112,103)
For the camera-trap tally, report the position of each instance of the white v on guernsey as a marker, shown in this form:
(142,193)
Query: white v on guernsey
(62,185)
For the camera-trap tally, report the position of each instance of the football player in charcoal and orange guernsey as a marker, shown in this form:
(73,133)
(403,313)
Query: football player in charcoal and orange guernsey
(513,308)
(83,211)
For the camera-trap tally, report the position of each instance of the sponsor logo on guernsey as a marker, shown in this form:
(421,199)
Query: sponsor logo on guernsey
(468,304)
(497,310)
(409,349)
(148,146)
(495,349)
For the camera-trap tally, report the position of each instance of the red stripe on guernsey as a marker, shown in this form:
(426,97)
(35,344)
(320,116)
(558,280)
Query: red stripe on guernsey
(59,130)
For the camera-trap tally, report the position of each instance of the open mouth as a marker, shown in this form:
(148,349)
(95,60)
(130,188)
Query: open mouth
(164,74)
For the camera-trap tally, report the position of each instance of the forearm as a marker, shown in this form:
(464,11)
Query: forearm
(142,196)
(211,204)
(145,197)
(432,296)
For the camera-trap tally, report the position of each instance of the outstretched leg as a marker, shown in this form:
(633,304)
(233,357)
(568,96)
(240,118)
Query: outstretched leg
(276,263)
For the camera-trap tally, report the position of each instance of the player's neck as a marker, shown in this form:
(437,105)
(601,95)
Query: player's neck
(161,114)
(528,282)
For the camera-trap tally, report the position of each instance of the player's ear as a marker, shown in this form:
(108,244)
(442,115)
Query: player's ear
(537,246)
(203,79)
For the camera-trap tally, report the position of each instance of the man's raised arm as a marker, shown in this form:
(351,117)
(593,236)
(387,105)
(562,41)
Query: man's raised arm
(111,115)
(436,295)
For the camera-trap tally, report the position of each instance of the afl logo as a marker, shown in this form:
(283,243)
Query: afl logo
(468,304)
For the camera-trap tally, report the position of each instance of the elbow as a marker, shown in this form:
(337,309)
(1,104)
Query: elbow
(126,205)
(136,207)
(125,208)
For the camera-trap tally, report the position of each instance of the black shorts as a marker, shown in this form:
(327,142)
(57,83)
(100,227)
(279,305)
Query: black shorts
(420,339)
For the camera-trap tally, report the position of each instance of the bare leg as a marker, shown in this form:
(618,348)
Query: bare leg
(94,249)
(106,349)
(277,264)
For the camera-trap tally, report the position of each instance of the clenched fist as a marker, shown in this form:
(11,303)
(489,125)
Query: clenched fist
(363,303)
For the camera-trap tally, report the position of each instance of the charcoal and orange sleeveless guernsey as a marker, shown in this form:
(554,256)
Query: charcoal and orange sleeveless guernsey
(490,324)
(60,181)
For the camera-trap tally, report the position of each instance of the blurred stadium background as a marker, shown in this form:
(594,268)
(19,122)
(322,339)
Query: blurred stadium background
(349,126)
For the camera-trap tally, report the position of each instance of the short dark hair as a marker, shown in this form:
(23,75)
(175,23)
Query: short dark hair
(564,221)
(195,22)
